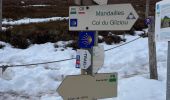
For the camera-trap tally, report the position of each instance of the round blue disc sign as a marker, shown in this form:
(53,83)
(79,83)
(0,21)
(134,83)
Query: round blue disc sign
(148,21)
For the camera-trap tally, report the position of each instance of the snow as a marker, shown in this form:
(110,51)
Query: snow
(22,2)
(140,88)
(38,5)
(30,20)
(4,28)
(40,82)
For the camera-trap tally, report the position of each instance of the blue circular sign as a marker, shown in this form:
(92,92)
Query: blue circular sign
(148,21)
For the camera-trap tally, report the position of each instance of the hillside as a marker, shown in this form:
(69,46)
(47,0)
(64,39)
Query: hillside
(17,9)
(60,7)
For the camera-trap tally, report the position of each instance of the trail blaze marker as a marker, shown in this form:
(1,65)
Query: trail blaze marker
(86,39)
(73,22)
(86,87)
(148,21)
(84,58)
(103,17)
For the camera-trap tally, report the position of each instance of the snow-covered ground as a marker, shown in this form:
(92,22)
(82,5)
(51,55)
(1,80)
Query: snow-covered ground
(30,20)
(38,5)
(40,82)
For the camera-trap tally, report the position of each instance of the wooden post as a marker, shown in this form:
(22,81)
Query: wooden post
(152,50)
(83,71)
(89,71)
(147,8)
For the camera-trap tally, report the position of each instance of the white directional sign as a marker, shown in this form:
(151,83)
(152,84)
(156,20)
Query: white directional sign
(102,17)
(86,87)
(85,58)
(98,58)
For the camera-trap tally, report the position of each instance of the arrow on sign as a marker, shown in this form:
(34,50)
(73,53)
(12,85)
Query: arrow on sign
(103,17)
(86,87)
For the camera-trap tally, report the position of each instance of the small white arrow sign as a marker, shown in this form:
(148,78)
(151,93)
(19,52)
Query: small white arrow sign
(85,58)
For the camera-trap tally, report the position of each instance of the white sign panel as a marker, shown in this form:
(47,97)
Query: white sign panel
(162,26)
(102,17)
(87,87)
(98,58)
(85,58)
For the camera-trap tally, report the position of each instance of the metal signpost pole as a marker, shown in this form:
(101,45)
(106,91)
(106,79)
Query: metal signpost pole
(96,38)
(83,71)
(168,74)
(90,69)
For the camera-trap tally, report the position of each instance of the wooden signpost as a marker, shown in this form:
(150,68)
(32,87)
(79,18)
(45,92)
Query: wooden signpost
(92,85)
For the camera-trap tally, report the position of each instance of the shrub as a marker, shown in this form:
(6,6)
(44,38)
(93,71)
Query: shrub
(108,40)
(113,39)
(74,45)
(22,36)
(2,46)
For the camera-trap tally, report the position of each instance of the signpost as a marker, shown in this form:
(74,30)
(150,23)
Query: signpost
(152,49)
(92,85)
(103,17)
(86,87)
(162,29)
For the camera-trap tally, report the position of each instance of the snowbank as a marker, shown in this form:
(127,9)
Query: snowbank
(40,82)
(30,20)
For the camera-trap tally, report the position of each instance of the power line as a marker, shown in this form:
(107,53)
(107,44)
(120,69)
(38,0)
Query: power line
(123,44)
(36,63)
(4,67)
